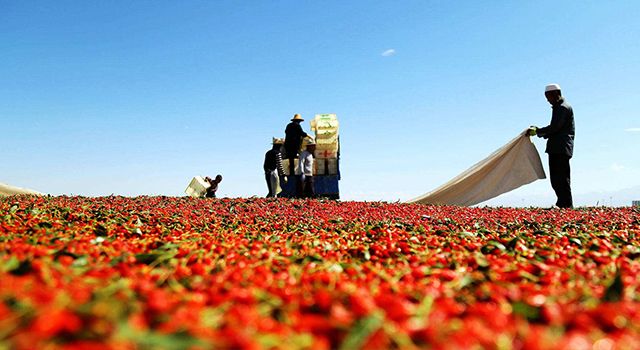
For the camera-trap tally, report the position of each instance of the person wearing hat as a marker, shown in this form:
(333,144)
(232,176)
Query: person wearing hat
(305,166)
(273,169)
(293,140)
(560,135)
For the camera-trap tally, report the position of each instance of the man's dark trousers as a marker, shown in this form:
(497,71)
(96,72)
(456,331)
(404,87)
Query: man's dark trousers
(271,193)
(292,155)
(560,173)
(307,190)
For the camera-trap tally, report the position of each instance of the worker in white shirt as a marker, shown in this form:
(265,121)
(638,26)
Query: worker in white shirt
(305,164)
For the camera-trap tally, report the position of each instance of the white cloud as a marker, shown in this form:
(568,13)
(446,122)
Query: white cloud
(632,130)
(389,52)
(617,167)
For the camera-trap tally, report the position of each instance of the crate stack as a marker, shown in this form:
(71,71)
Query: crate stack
(327,152)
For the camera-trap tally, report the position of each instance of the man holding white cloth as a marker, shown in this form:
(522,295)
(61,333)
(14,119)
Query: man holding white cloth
(560,135)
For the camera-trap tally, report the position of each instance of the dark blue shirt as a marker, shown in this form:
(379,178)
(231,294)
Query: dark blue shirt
(562,130)
(293,138)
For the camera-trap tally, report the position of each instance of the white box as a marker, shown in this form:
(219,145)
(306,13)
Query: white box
(319,165)
(326,154)
(325,121)
(332,166)
(329,140)
(332,147)
(197,187)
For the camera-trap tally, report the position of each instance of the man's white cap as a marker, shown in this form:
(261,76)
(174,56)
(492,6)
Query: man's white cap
(552,87)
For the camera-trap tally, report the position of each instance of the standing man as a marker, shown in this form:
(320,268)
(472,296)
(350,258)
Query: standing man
(560,135)
(293,140)
(305,164)
(273,170)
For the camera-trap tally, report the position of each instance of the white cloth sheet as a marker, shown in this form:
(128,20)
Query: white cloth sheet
(6,190)
(515,164)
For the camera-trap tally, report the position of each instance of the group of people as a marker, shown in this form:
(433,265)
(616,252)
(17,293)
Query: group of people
(560,134)
(274,172)
(290,146)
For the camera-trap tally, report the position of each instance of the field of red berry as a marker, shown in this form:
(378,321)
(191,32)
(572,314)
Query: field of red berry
(180,273)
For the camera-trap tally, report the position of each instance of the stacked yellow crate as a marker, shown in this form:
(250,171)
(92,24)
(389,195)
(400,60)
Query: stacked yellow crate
(326,127)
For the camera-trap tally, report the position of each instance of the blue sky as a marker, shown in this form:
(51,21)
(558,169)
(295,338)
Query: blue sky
(138,97)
